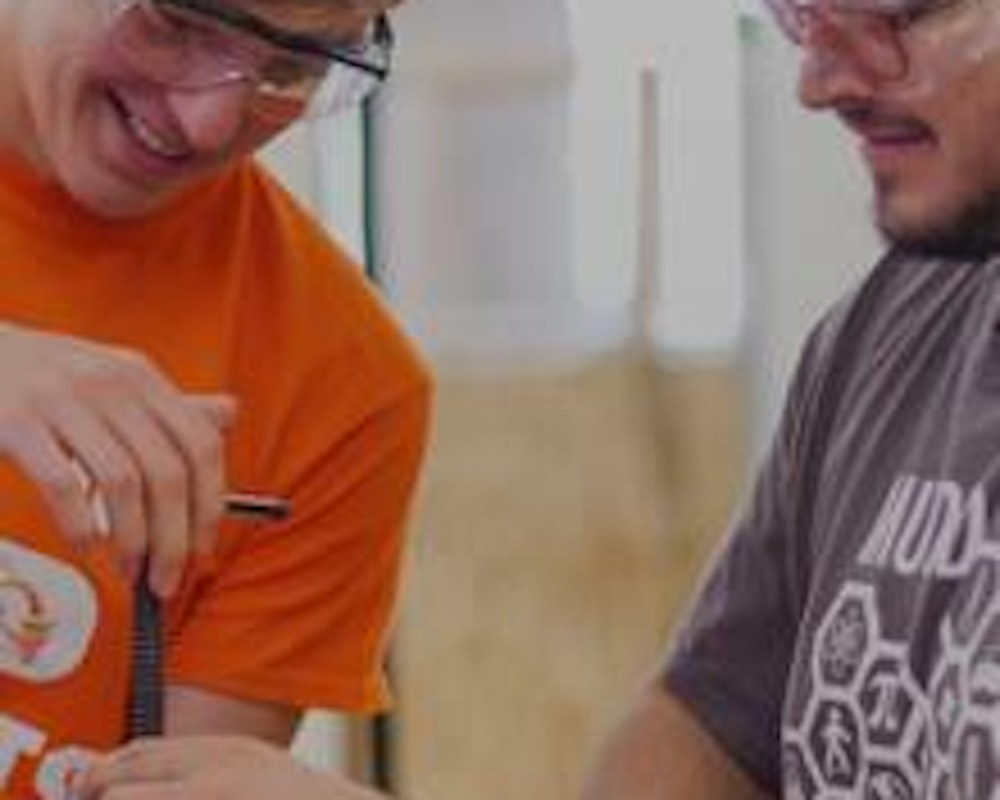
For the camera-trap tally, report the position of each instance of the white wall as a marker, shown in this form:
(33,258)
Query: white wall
(477,184)
(513,183)
(808,232)
(760,207)
(320,162)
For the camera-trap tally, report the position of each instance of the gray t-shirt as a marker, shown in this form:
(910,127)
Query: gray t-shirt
(846,643)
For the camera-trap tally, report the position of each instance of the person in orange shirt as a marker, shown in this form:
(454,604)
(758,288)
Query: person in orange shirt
(174,327)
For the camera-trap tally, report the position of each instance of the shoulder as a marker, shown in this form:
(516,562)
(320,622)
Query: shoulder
(310,299)
(900,307)
(848,338)
(900,295)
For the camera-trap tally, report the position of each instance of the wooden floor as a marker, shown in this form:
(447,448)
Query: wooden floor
(560,527)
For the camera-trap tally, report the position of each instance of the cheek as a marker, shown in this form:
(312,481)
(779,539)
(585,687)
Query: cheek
(968,129)
(57,87)
(958,97)
(51,99)
(953,50)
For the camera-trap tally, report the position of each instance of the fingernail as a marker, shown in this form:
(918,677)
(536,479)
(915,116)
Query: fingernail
(164,583)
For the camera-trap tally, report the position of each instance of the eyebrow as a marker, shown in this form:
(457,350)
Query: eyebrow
(288,40)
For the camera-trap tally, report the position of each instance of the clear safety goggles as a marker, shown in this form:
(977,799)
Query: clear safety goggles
(199,44)
(871,29)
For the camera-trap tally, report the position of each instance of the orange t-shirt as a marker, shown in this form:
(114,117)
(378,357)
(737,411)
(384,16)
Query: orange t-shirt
(230,288)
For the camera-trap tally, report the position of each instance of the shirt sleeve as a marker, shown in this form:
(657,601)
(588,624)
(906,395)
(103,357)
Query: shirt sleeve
(333,413)
(297,612)
(730,660)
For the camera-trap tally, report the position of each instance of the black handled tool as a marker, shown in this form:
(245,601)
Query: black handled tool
(145,708)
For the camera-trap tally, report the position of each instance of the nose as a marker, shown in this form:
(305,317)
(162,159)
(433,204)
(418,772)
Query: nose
(837,62)
(212,116)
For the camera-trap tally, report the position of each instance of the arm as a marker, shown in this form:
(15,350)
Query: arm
(661,752)
(191,711)
(720,720)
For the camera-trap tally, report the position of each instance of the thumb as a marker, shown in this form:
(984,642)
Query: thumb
(219,408)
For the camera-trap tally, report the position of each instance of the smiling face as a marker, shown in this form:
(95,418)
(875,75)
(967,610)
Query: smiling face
(83,114)
(929,135)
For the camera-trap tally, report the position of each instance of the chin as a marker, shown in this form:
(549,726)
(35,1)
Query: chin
(110,199)
(113,208)
(96,186)
(969,232)
(121,210)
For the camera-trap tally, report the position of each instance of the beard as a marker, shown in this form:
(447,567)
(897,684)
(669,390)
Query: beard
(972,231)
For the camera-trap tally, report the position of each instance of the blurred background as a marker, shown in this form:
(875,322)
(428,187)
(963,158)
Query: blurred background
(609,226)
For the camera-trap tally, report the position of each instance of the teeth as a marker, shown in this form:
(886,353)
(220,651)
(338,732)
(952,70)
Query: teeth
(151,140)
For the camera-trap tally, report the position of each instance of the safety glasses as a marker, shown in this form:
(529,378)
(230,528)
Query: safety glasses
(199,44)
(870,30)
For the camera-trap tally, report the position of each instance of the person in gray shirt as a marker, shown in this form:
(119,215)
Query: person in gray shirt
(846,641)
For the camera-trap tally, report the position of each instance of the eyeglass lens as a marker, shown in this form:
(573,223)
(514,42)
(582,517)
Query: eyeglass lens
(183,48)
(870,37)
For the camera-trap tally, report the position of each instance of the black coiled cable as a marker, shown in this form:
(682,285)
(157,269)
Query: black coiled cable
(145,708)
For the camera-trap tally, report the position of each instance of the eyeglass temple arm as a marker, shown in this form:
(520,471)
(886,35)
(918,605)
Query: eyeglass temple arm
(289,40)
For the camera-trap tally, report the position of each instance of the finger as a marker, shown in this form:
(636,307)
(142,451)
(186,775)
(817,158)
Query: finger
(36,451)
(196,436)
(167,486)
(192,423)
(147,791)
(153,760)
(124,781)
(119,769)
(109,463)
(220,408)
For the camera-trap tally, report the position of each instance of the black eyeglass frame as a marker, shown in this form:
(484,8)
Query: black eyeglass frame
(382,39)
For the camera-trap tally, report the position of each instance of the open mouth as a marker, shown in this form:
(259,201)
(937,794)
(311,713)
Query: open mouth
(148,138)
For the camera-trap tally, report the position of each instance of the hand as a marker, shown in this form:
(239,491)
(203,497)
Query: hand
(210,768)
(153,453)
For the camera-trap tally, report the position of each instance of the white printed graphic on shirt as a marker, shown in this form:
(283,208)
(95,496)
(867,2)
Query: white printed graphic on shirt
(48,612)
(48,615)
(58,768)
(869,729)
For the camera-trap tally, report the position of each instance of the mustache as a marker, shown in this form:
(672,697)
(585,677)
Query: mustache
(872,120)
